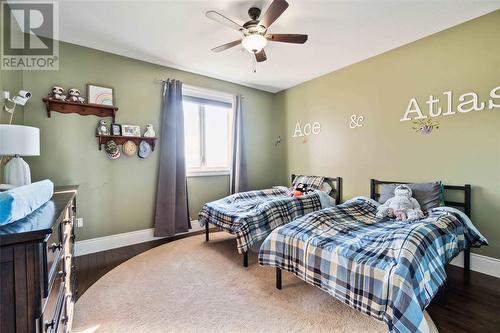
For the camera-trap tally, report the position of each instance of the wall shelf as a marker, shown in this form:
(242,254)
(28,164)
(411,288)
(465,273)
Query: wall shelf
(80,108)
(120,140)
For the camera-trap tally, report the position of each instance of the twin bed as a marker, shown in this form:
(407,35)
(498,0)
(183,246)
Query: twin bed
(251,216)
(390,270)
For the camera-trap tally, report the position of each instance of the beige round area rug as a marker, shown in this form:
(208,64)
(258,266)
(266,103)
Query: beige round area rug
(193,286)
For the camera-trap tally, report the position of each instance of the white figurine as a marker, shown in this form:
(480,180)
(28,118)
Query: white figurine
(57,93)
(401,206)
(102,128)
(74,96)
(150,132)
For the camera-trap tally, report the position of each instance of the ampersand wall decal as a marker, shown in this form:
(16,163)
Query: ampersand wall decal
(356,121)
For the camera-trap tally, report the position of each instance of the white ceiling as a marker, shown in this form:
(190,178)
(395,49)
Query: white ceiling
(177,34)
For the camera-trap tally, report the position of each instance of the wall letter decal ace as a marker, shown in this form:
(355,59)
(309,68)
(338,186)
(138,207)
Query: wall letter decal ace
(466,103)
(307,130)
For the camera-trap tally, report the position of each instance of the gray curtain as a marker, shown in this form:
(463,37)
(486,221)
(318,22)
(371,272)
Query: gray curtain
(238,181)
(171,215)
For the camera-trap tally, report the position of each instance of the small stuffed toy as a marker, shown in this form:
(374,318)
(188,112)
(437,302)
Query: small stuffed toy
(150,132)
(57,93)
(74,96)
(299,190)
(401,206)
(102,128)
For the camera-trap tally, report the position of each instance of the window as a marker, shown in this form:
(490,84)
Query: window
(207,131)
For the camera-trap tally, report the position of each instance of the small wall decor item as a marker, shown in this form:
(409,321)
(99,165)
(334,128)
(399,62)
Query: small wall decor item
(278,141)
(99,94)
(150,132)
(307,130)
(57,93)
(111,149)
(131,130)
(356,121)
(144,149)
(425,126)
(116,129)
(102,127)
(129,148)
(465,103)
(74,96)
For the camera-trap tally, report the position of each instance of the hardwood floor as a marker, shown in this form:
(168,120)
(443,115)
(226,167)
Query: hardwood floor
(472,308)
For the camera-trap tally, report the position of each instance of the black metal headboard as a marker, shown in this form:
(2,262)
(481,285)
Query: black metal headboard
(335,183)
(465,205)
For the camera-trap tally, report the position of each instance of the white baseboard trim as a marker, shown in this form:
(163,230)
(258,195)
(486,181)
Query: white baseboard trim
(114,241)
(478,263)
(119,240)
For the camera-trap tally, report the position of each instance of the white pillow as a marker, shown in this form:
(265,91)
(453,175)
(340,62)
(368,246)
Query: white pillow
(326,188)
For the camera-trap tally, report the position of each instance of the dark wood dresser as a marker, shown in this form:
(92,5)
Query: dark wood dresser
(37,271)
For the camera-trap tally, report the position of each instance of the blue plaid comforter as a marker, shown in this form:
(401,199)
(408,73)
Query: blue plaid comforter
(251,216)
(389,270)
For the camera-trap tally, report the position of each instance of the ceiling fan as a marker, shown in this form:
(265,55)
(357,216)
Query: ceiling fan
(255,36)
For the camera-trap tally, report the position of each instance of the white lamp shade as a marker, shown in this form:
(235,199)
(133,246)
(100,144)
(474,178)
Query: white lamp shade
(19,140)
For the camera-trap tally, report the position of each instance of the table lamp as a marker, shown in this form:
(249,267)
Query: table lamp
(16,140)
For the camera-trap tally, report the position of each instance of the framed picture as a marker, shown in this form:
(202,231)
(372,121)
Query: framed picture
(131,130)
(99,95)
(116,129)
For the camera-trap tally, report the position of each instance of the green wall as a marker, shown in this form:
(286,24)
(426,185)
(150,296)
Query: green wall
(119,196)
(465,149)
(10,81)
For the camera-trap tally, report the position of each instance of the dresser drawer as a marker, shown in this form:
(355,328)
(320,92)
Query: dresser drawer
(52,249)
(66,318)
(68,237)
(70,274)
(68,221)
(49,303)
(53,307)
(59,320)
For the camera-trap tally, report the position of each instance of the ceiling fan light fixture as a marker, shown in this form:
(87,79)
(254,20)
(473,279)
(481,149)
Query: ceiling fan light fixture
(254,43)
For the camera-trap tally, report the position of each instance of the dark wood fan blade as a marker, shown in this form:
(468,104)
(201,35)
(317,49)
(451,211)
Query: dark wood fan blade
(213,15)
(273,12)
(261,56)
(287,38)
(226,46)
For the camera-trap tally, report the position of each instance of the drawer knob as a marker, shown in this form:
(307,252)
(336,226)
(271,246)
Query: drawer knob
(64,320)
(61,274)
(49,324)
(67,221)
(56,246)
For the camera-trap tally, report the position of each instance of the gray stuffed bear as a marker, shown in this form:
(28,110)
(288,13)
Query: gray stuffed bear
(102,127)
(401,206)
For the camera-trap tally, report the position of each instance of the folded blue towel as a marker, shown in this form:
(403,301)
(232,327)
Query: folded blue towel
(23,200)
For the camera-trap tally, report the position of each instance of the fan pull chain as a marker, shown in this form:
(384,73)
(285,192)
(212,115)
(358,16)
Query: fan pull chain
(254,63)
